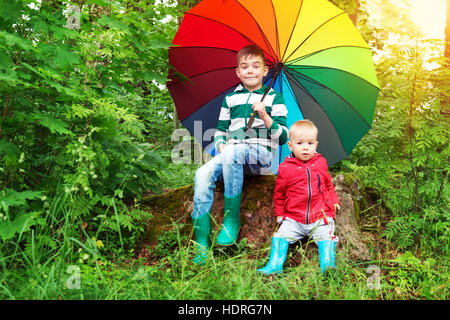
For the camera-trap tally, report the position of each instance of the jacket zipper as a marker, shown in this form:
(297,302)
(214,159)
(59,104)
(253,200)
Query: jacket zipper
(309,194)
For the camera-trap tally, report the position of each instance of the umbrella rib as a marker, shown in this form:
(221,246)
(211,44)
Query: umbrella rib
(294,80)
(233,86)
(293,62)
(293,28)
(297,60)
(316,52)
(203,73)
(288,72)
(244,36)
(203,47)
(328,68)
(276,30)
(266,41)
(306,39)
(323,86)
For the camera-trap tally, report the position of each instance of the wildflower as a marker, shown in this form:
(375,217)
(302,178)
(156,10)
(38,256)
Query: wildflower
(99,244)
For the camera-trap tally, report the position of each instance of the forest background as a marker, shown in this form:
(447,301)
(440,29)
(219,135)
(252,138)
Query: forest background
(86,130)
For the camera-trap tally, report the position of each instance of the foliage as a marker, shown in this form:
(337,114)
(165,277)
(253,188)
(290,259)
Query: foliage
(85,130)
(15,214)
(427,231)
(79,111)
(230,275)
(405,154)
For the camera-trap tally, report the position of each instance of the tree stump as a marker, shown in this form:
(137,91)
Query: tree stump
(347,227)
(258,222)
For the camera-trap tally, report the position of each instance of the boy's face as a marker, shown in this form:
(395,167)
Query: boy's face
(251,71)
(303,144)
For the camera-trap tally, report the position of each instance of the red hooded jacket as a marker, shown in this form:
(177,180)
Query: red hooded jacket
(303,189)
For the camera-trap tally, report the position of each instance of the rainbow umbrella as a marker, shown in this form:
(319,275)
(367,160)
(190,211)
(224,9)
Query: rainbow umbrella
(326,73)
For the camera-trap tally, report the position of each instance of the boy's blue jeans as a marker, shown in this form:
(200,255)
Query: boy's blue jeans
(230,165)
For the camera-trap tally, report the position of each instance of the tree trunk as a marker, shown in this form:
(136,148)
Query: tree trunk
(354,15)
(258,222)
(447,35)
(445,100)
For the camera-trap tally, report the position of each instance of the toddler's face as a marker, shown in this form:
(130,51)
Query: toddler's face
(251,71)
(303,144)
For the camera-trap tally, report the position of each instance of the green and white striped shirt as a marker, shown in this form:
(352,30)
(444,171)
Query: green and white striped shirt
(236,111)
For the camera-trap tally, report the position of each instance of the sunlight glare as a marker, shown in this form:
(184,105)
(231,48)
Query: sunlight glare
(429,15)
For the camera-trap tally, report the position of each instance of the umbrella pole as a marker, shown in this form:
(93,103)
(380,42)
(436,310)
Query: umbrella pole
(277,70)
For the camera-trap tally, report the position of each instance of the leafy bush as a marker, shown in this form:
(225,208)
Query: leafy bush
(405,154)
(75,122)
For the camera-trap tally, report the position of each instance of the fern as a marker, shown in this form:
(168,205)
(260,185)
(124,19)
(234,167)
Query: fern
(14,217)
(402,232)
(11,198)
(51,123)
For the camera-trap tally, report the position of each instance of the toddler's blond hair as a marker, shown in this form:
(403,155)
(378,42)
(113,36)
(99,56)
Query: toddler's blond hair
(302,126)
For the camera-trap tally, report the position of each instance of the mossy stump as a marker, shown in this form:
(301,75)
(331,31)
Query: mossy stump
(258,222)
(167,208)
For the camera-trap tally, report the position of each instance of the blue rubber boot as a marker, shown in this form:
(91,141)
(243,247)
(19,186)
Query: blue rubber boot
(277,256)
(202,230)
(327,255)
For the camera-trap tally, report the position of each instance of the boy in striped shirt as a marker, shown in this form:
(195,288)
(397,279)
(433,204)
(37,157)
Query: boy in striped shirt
(239,149)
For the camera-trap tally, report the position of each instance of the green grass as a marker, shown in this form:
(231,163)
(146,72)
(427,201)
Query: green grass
(230,274)
(47,261)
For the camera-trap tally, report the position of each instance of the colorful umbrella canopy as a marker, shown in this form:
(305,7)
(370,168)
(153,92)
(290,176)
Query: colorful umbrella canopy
(327,73)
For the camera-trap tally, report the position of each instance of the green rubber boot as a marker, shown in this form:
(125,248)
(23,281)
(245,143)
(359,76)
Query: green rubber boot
(202,231)
(231,222)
